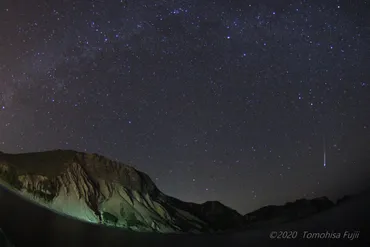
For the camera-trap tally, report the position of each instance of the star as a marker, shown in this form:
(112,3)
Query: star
(204,95)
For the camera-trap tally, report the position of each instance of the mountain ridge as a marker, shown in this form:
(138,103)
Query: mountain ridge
(93,188)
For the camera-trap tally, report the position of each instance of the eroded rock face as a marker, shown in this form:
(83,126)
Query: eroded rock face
(95,189)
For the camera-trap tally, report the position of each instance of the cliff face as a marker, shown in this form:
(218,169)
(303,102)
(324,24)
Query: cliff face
(95,189)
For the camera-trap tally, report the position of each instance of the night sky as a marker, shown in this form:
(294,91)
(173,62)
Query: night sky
(246,102)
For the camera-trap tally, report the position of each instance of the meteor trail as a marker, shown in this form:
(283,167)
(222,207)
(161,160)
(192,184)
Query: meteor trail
(324,152)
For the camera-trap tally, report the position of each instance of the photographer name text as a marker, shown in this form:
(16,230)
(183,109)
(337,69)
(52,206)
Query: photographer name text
(349,235)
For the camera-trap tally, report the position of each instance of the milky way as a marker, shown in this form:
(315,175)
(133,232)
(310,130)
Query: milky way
(215,100)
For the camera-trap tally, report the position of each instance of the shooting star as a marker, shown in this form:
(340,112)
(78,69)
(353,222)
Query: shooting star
(324,151)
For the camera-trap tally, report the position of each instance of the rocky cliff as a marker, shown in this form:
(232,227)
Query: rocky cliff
(93,188)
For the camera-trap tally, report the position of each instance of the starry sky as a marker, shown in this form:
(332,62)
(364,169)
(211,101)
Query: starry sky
(246,102)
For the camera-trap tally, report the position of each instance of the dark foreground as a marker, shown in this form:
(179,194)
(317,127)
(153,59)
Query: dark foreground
(26,224)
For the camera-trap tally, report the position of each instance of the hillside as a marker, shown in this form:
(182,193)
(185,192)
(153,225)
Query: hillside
(291,211)
(95,189)
(26,224)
